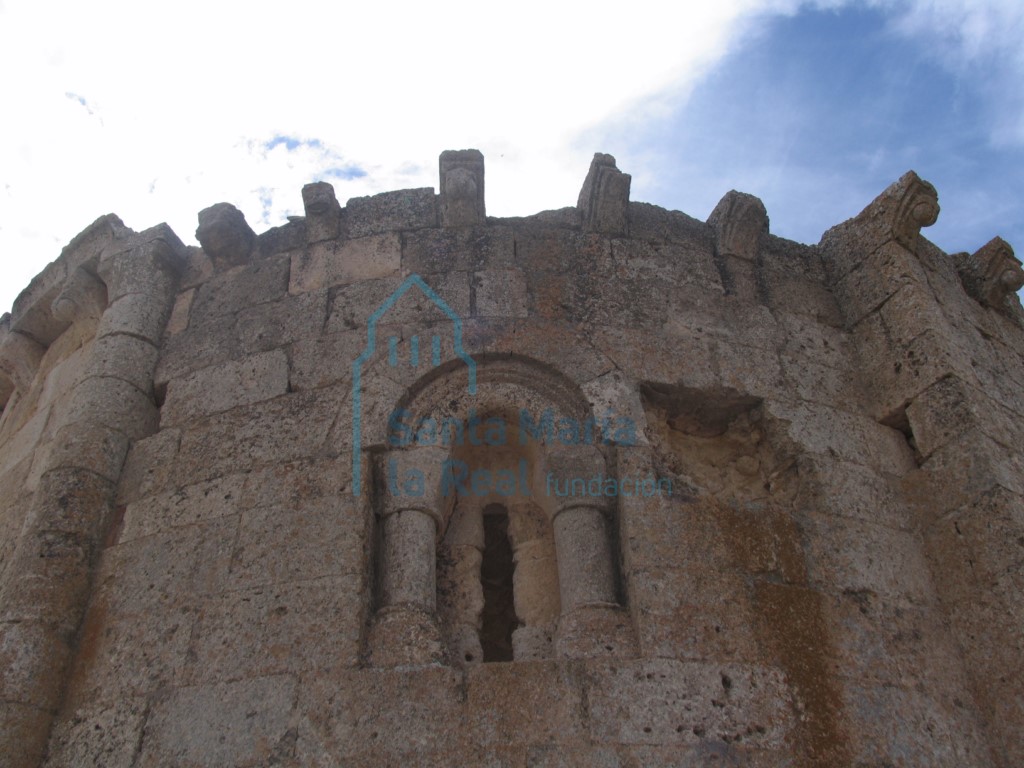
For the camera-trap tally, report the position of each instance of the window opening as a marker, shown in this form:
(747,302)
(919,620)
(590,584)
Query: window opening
(498,619)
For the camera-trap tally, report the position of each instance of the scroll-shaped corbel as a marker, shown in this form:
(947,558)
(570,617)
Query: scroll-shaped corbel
(83,297)
(19,355)
(992,275)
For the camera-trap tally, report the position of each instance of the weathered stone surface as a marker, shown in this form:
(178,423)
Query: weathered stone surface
(123,658)
(426,251)
(250,285)
(850,437)
(806,550)
(329,532)
(353,305)
(178,320)
(287,237)
(303,626)
(167,570)
(535,702)
(220,388)
(500,293)
(228,724)
(289,427)
(147,466)
(854,556)
(391,212)
(97,448)
(126,357)
(20,357)
(113,403)
(662,701)
(323,265)
(150,267)
(138,314)
(183,507)
(99,735)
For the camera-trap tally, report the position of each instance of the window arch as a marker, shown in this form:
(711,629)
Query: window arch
(556,552)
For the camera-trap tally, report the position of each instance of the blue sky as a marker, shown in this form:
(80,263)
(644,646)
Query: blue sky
(820,111)
(155,112)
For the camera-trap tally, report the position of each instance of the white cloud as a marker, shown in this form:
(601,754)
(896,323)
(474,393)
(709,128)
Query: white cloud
(978,40)
(156,111)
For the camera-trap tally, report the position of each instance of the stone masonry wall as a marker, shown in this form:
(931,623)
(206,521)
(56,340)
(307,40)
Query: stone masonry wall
(213,552)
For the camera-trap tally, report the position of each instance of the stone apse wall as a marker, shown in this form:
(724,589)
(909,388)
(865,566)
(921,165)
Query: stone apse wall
(326,495)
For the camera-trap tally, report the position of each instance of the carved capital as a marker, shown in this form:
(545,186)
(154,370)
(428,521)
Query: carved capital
(19,356)
(83,297)
(569,473)
(462,188)
(150,264)
(740,221)
(413,479)
(604,200)
(323,212)
(992,275)
(225,235)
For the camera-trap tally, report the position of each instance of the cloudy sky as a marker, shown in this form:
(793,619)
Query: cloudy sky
(154,111)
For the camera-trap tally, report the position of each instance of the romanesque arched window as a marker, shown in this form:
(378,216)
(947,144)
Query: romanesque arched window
(479,559)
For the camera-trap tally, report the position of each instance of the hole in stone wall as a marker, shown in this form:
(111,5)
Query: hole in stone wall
(899,421)
(498,618)
(160,394)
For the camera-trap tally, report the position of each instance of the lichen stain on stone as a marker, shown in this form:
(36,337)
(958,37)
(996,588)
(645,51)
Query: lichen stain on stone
(793,630)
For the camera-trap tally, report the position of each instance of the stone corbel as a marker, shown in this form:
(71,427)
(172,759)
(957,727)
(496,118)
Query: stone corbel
(323,212)
(899,213)
(462,188)
(19,356)
(992,275)
(83,297)
(604,200)
(225,236)
(740,222)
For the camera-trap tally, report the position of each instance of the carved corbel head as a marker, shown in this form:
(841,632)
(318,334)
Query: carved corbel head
(462,188)
(604,199)
(992,275)
(897,214)
(918,207)
(225,235)
(740,222)
(323,212)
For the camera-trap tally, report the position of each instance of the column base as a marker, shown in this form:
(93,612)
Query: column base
(402,636)
(602,630)
(533,643)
